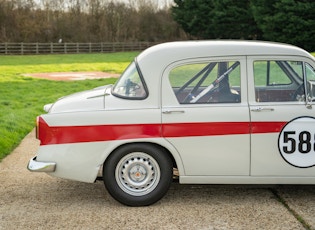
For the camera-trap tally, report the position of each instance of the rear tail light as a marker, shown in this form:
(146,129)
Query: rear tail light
(43,131)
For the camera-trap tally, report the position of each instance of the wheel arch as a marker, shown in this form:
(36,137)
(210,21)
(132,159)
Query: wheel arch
(170,151)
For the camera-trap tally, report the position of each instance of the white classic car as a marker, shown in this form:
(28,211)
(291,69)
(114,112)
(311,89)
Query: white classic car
(217,112)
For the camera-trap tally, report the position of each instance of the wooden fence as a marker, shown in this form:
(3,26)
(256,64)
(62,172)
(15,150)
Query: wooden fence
(70,48)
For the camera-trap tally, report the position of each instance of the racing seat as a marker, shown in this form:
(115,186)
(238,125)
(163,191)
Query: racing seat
(226,94)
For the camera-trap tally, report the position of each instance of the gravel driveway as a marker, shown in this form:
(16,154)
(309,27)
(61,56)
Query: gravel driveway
(38,201)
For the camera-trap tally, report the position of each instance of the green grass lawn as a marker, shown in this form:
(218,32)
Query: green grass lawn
(22,98)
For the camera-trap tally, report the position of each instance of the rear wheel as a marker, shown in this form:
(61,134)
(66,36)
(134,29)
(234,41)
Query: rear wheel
(138,174)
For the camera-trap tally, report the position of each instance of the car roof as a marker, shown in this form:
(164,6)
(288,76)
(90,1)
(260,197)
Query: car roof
(154,61)
(170,52)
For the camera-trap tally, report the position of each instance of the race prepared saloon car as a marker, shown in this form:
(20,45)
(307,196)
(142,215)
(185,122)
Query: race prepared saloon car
(219,112)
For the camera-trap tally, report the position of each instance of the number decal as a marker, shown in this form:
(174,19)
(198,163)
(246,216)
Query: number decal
(304,145)
(297,142)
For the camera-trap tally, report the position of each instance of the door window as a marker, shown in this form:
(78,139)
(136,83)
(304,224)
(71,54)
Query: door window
(279,81)
(214,82)
(310,79)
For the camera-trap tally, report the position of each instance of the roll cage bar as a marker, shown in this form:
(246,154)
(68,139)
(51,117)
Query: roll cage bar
(191,97)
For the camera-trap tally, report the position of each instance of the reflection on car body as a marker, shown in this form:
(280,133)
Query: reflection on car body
(219,112)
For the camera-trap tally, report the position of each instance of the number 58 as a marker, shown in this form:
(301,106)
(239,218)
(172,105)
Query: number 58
(302,142)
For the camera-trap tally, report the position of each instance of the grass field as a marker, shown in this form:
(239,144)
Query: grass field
(22,98)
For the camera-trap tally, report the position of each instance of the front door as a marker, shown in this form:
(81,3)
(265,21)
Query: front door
(205,115)
(282,116)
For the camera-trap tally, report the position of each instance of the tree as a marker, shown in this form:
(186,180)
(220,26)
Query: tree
(234,20)
(86,21)
(216,18)
(289,21)
(195,17)
(7,20)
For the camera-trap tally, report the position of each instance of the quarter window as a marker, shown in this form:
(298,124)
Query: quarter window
(214,82)
(130,85)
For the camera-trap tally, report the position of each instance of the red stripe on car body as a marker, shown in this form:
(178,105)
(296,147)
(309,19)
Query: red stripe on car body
(92,133)
(267,127)
(205,129)
(73,134)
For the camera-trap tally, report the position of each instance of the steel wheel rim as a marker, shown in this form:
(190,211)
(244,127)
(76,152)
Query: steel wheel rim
(137,174)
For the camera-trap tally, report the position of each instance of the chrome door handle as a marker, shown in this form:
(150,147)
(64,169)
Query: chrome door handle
(173,111)
(259,109)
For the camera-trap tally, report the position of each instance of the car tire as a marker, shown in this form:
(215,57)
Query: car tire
(138,174)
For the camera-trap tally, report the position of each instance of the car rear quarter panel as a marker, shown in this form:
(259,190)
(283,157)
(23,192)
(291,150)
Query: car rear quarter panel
(80,159)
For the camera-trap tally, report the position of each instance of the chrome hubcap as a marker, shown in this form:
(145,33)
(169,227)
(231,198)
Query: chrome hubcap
(137,174)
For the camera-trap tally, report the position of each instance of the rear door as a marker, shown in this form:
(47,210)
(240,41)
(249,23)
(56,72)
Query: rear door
(205,115)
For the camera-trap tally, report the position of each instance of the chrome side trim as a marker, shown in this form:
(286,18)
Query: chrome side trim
(37,166)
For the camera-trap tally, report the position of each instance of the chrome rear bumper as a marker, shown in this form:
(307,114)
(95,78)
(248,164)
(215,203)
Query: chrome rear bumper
(37,166)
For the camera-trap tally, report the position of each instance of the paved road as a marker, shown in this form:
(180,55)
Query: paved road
(38,201)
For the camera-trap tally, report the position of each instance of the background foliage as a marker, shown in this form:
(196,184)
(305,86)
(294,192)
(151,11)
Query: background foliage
(86,21)
(216,19)
(289,21)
